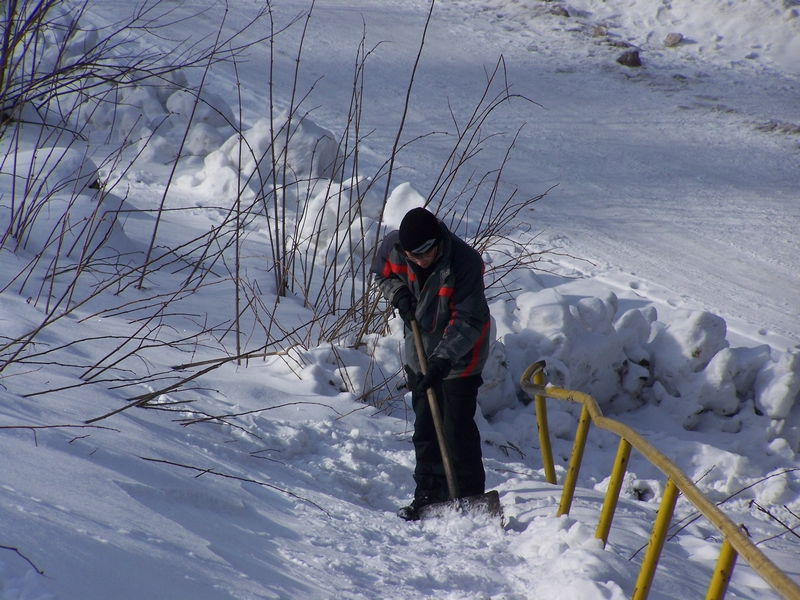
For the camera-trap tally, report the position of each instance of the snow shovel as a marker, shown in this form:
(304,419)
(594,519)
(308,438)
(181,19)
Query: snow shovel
(488,502)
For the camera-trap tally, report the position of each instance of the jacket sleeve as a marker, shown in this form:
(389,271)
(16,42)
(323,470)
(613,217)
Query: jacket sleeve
(469,323)
(388,270)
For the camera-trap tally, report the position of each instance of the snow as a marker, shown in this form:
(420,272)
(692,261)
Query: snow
(668,289)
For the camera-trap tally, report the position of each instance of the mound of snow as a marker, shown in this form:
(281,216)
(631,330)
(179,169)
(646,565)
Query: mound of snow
(48,171)
(777,385)
(262,155)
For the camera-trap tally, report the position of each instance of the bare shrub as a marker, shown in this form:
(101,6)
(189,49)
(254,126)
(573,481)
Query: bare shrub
(301,184)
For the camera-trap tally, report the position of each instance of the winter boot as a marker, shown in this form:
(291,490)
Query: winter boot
(411,512)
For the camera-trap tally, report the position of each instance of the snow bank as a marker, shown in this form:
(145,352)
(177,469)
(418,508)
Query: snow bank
(48,171)
(777,385)
(624,361)
(261,156)
(54,203)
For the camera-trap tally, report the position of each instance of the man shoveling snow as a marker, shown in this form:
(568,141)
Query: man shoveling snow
(433,277)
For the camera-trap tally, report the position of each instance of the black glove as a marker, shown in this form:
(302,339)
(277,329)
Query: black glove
(438,368)
(405,303)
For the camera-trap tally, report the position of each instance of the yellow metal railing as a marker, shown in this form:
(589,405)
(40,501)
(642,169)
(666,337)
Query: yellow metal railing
(736,543)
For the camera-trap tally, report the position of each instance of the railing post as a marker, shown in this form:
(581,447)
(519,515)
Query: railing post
(614,487)
(657,538)
(722,574)
(544,431)
(578,446)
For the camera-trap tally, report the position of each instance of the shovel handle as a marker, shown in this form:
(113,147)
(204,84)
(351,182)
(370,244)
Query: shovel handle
(449,473)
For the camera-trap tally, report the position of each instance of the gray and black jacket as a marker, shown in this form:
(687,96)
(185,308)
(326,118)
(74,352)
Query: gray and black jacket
(452,311)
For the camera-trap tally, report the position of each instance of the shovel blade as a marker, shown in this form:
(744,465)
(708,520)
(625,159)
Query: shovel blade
(488,503)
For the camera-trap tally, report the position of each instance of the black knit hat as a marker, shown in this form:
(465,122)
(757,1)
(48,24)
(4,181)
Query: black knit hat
(419,231)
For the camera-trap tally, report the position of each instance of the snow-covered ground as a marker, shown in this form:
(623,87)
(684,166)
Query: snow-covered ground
(669,290)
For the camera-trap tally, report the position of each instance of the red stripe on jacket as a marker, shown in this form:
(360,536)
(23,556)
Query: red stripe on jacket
(476,350)
(390,268)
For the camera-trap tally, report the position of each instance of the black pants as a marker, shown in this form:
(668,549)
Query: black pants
(457,400)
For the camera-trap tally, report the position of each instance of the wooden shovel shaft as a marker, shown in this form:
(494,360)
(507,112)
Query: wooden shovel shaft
(449,473)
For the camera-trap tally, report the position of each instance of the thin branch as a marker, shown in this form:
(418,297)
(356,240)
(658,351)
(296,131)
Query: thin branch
(777,520)
(186,422)
(237,478)
(35,428)
(28,560)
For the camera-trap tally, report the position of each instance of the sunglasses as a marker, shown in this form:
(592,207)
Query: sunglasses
(421,255)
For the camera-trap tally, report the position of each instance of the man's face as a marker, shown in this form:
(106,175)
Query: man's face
(425,259)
